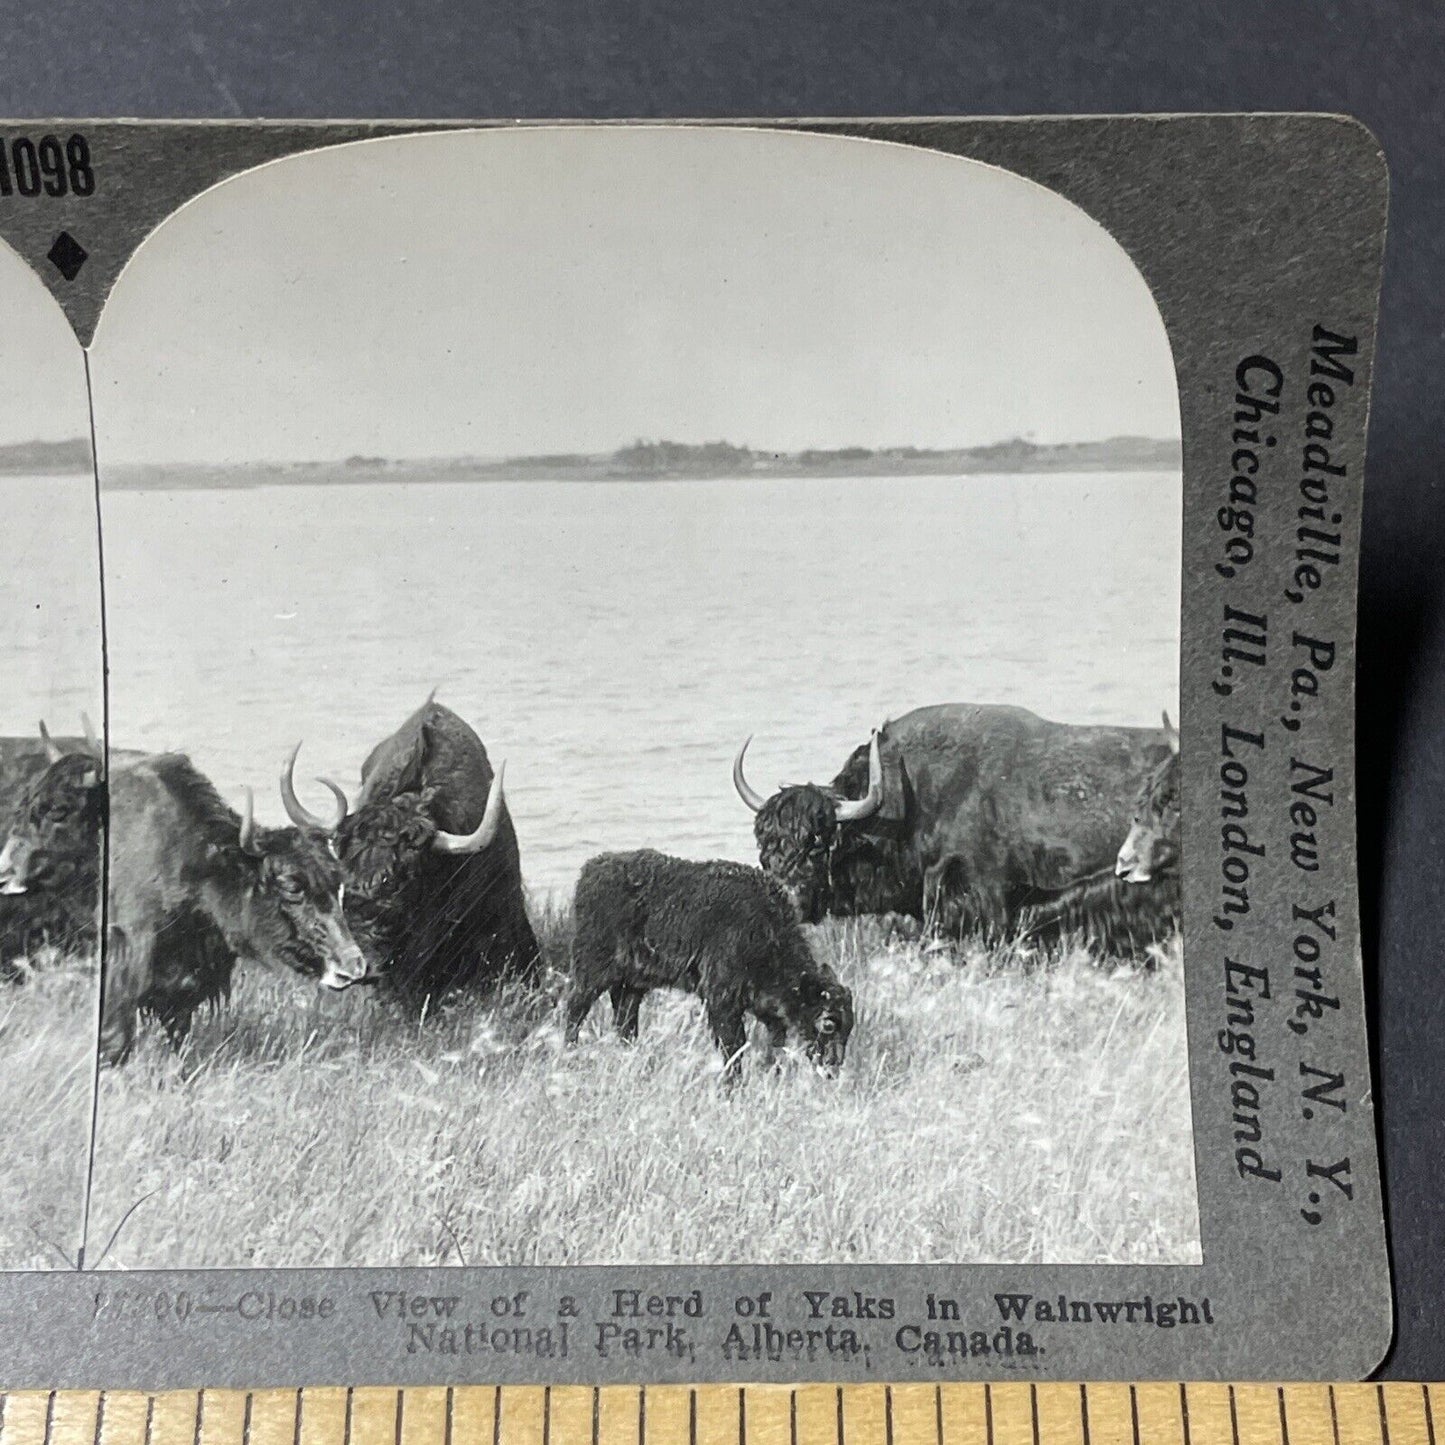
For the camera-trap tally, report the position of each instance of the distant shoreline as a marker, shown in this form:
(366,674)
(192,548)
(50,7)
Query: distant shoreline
(642,462)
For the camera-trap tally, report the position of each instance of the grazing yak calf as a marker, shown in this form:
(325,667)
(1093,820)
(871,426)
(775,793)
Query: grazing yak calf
(959,816)
(433,875)
(54,807)
(1137,902)
(194,886)
(720,930)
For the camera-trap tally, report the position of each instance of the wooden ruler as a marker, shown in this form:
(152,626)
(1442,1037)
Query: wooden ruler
(967,1414)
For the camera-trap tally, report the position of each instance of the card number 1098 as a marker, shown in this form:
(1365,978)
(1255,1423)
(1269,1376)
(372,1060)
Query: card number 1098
(49,165)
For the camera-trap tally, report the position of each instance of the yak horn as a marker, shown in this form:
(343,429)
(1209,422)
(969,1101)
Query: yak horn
(485,831)
(248,826)
(53,751)
(1171,735)
(92,742)
(304,817)
(754,800)
(343,807)
(850,811)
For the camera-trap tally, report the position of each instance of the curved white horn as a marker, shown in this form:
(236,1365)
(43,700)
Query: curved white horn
(304,817)
(53,751)
(342,805)
(849,811)
(754,800)
(485,831)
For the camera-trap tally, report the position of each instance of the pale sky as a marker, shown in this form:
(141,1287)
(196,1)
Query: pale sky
(569,289)
(42,370)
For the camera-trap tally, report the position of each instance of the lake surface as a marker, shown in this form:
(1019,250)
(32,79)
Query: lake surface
(615,642)
(50,653)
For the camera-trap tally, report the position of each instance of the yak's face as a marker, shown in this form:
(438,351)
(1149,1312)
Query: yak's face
(297,908)
(55,831)
(384,850)
(825,1020)
(797,830)
(799,827)
(1152,845)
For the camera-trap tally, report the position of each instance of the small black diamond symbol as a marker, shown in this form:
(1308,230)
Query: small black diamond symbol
(67,255)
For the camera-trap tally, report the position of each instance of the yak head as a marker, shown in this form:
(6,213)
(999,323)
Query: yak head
(824,1019)
(799,828)
(295,903)
(1152,845)
(387,850)
(55,830)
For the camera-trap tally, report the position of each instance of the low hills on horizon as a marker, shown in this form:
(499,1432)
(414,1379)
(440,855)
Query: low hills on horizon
(643,460)
(37,458)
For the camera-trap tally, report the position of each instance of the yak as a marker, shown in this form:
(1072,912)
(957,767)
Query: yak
(958,815)
(22,758)
(433,875)
(721,930)
(1137,901)
(193,886)
(54,806)
(1118,917)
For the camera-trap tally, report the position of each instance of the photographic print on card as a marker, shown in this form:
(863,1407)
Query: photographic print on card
(714,435)
(51,778)
(730,751)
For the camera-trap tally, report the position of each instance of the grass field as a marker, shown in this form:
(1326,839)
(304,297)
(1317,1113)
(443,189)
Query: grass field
(987,1111)
(47,1032)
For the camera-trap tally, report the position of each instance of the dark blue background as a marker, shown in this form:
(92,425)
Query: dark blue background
(1379,61)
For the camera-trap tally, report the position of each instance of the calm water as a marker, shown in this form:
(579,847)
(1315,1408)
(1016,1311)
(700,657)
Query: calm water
(615,642)
(50,657)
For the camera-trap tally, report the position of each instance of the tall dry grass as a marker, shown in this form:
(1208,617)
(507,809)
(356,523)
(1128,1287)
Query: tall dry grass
(47,1051)
(990,1109)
